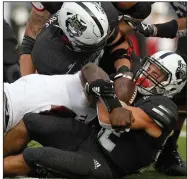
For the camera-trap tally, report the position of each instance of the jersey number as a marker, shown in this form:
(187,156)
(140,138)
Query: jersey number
(105,140)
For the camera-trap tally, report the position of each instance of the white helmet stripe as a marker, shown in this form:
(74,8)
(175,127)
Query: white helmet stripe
(92,16)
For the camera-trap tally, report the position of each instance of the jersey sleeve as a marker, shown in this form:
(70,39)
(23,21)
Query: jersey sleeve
(160,109)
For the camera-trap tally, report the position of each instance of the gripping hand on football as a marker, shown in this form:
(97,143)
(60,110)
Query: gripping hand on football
(148,30)
(100,88)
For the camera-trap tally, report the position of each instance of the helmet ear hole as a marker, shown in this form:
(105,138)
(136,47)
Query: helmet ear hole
(178,75)
(181,75)
(173,89)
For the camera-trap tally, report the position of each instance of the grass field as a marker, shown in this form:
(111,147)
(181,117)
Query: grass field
(150,173)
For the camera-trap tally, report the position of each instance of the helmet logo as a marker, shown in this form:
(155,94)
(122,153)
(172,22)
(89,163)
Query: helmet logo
(75,27)
(181,72)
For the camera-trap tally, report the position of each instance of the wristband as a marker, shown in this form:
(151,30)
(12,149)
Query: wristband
(27,45)
(111,103)
(123,69)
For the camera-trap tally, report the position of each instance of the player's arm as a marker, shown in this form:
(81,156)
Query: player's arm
(36,21)
(155,114)
(137,10)
(120,50)
(141,119)
(171,29)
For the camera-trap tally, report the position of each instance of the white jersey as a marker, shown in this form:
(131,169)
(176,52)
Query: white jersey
(37,93)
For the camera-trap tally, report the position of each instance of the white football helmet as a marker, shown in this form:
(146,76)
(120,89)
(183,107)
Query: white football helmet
(85,24)
(173,72)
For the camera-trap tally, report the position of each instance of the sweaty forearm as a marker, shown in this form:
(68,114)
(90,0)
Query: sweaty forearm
(121,55)
(35,22)
(34,25)
(26,65)
(124,27)
(143,121)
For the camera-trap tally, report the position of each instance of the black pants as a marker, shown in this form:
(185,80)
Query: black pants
(70,148)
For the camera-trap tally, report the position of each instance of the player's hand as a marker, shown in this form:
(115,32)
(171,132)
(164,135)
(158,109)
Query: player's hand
(100,88)
(148,30)
(121,119)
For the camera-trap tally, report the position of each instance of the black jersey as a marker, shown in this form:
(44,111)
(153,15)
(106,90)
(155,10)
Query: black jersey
(130,151)
(50,55)
(180,8)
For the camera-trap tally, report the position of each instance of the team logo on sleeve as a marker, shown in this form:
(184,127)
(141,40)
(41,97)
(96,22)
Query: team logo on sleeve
(75,27)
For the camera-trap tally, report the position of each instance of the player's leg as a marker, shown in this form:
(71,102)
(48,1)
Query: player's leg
(46,161)
(64,133)
(58,132)
(15,140)
(15,166)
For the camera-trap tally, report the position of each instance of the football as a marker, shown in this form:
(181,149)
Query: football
(125,88)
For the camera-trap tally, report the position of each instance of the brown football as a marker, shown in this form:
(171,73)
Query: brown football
(125,88)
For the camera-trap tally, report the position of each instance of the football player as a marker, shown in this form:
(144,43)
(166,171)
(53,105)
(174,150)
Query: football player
(111,152)
(169,161)
(72,37)
(50,94)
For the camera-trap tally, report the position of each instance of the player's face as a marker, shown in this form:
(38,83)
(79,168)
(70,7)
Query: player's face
(153,74)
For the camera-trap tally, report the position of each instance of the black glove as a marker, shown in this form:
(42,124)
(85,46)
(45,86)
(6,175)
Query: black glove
(148,30)
(100,88)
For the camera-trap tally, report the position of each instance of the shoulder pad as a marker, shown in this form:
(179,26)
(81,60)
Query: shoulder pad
(161,109)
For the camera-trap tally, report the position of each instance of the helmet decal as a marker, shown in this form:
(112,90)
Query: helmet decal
(181,72)
(85,25)
(75,27)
